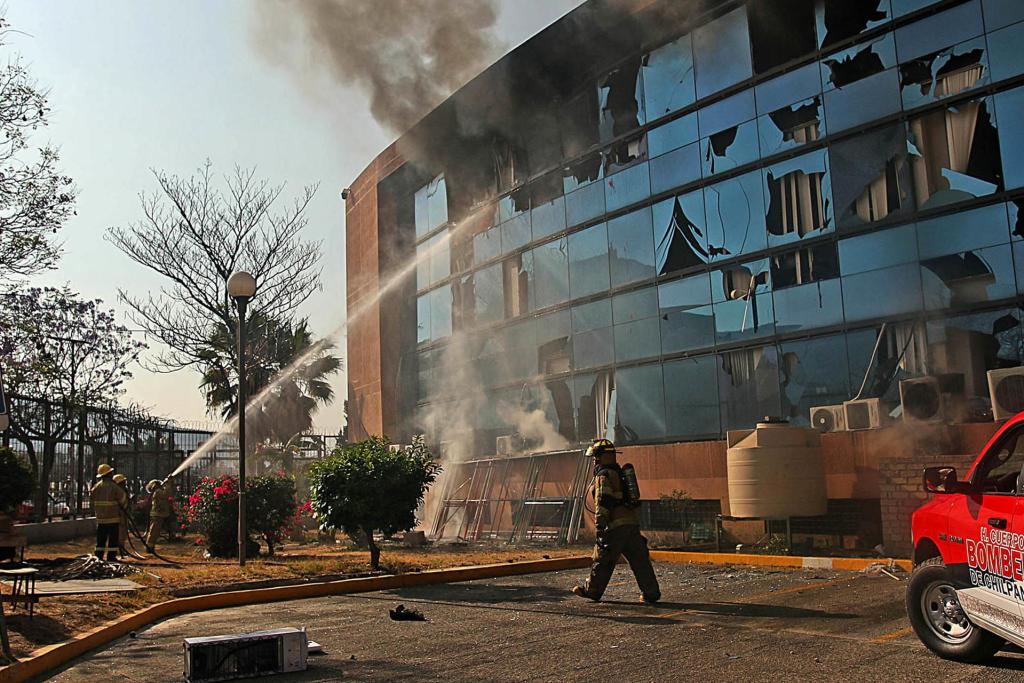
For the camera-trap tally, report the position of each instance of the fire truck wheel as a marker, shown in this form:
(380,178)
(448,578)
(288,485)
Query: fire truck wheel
(939,620)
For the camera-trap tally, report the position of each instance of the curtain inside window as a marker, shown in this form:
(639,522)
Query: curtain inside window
(803,208)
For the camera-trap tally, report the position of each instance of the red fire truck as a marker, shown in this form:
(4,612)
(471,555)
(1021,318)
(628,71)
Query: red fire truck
(965,598)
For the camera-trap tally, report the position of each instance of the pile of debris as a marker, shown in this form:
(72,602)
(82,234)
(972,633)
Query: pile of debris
(84,567)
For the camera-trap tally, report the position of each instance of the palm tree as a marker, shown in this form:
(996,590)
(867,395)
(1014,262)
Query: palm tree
(273,345)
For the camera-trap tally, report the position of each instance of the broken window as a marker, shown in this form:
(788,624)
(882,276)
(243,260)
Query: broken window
(627,181)
(516,232)
(812,373)
(580,123)
(880,272)
(966,258)
(748,386)
(593,344)
(1011,139)
(808,293)
(799,198)
(954,154)
(938,31)
(547,206)
(871,177)
(780,33)
(861,84)
(902,353)
(625,154)
(838,20)
(721,51)
(687,317)
(464,238)
(588,261)
(542,140)
(431,206)
(791,126)
(735,215)
(488,290)
(551,273)
(639,404)
(516,287)
(730,133)
(422,319)
(672,135)
(486,245)
(943,74)
(620,98)
(806,265)
(679,233)
(584,191)
(668,78)
(631,247)
(593,396)
(509,164)
(636,331)
(743,301)
(1004,54)
(553,350)
(691,398)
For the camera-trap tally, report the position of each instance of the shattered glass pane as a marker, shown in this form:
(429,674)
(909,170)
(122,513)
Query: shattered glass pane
(722,53)
(1005,56)
(621,101)
(513,205)
(584,194)
(588,261)
(672,135)
(781,33)
(486,245)
(807,293)
(735,216)
(580,124)
(517,292)
(864,100)
(791,126)
(969,277)
(551,273)
(515,233)
(748,386)
(668,78)
(640,404)
(805,265)
(799,195)
(999,13)
(790,87)
(1015,213)
(691,398)
(488,291)
(547,206)
(943,74)
(954,154)
(679,231)
(743,301)
(938,31)
(1010,106)
(871,177)
(838,20)
(856,63)
(813,373)
(730,133)
(675,169)
(631,247)
(687,317)
(726,113)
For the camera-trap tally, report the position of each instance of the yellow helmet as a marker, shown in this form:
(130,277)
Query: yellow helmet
(600,447)
(152,485)
(120,478)
(103,470)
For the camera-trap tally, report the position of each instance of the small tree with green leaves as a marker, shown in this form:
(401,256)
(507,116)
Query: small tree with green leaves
(16,482)
(367,487)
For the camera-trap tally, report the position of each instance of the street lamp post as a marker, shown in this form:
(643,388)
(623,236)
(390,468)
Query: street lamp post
(241,288)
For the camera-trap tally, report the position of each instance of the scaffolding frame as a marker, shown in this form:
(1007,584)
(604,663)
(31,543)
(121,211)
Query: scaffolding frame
(518,499)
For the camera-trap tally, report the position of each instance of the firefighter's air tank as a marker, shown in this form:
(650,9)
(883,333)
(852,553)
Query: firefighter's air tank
(776,471)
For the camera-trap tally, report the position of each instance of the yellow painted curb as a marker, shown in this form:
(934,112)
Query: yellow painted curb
(854,564)
(52,656)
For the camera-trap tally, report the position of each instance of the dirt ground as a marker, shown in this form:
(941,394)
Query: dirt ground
(58,618)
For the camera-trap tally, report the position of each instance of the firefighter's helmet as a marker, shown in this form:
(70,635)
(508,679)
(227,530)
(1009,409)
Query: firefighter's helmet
(153,484)
(600,447)
(103,470)
(120,478)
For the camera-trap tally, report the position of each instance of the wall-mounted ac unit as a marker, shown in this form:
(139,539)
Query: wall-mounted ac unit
(828,419)
(922,400)
(865,413)
(224,658)
(397,447)
(509,444)
(1006,389)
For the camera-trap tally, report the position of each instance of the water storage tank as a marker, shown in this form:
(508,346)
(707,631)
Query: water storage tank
(776,471)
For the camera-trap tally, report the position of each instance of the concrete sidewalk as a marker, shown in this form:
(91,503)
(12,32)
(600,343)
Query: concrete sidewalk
(716,623)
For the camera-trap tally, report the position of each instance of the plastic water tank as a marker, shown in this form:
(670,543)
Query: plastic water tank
(776,471)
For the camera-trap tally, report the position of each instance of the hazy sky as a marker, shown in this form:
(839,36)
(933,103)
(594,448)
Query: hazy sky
(139,85)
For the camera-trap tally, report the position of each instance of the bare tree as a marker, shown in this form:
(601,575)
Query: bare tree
(35,199)
(195,234)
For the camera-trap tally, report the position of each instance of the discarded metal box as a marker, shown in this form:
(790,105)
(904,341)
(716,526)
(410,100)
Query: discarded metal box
(245,655)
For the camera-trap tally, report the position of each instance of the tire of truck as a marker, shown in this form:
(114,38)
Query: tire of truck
(939,620)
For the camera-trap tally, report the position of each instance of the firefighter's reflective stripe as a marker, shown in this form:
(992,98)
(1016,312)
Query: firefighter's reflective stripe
(608,496)
(107,499)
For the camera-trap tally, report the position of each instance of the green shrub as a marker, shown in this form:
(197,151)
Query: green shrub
(269,509)
(16,481)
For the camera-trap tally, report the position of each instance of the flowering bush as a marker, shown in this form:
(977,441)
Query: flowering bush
(213,511)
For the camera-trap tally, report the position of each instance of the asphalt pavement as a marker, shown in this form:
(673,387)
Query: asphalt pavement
(715,623)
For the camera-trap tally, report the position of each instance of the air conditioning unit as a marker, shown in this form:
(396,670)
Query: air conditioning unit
(828,419)
(1006,389)
(922,400)
(509,444)
(865,413)
(225,658)
(397,447)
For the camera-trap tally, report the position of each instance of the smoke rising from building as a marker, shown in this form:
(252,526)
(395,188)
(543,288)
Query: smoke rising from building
(407,55)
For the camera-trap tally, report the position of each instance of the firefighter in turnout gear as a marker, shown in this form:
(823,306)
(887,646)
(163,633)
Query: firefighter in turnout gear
(122,529)
(159,511)
(618,528)
(107,501)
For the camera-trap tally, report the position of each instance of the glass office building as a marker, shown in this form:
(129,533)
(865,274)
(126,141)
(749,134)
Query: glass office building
(752,210)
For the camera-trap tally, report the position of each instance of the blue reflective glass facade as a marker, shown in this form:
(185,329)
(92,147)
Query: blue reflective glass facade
(759,201)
